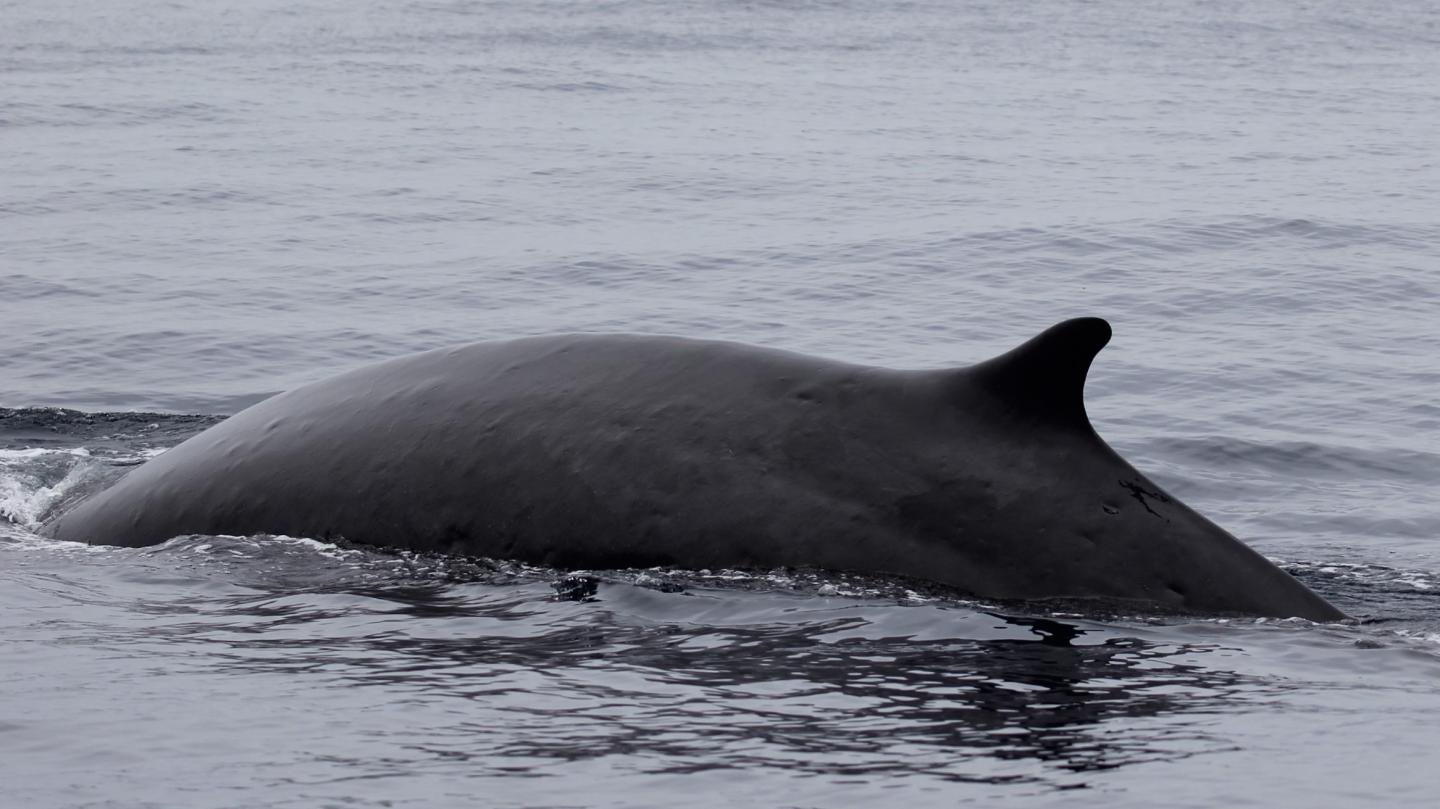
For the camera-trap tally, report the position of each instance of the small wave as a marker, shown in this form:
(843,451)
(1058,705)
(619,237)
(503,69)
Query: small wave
(16,286)
(1240,231)
(116,436)
(50,457)
(570,87)
(123,115)
(34,481)
(1428,637)
(1369,575)
(1376,594)
(1301,458)
(1156,239)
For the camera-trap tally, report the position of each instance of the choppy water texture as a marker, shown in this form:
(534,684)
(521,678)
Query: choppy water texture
(204,203)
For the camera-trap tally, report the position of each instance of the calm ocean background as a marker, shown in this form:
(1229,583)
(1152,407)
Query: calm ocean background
(203,203)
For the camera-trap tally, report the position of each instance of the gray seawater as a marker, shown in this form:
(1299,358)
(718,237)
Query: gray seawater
(203,203)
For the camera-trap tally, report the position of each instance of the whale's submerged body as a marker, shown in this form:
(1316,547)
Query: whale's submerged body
(625,451)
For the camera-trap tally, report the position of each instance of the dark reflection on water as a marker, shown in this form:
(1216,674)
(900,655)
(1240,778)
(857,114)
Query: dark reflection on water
(534,683)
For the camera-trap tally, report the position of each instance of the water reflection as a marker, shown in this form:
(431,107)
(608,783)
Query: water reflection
(529,684)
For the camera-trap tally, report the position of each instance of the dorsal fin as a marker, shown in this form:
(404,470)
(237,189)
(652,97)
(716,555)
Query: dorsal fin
(1044,379)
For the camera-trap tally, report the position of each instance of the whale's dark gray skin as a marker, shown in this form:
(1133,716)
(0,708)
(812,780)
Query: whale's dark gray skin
(628,451)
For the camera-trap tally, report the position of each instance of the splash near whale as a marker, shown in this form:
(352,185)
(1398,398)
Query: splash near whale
(606,451)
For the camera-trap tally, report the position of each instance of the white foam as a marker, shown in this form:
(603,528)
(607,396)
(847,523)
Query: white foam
(1419,581)
(210,544)
(27,454)
(1419,635)
(23,496)
(22,539)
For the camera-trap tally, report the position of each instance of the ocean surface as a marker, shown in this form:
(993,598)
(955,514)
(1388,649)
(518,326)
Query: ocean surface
(204,203)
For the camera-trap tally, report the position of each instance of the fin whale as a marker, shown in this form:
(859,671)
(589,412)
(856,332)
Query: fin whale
(604,451)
